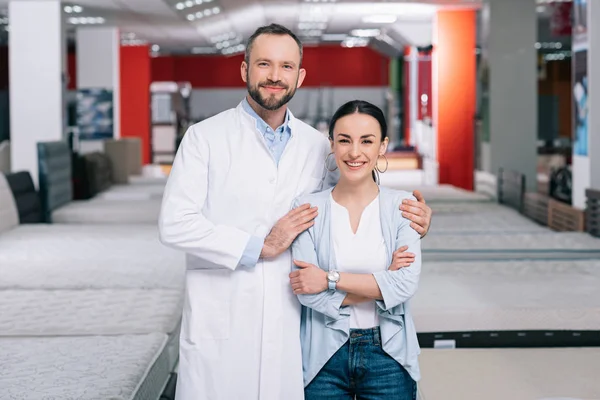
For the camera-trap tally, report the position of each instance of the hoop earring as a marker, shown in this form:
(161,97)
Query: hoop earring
(327,163)
(386,164)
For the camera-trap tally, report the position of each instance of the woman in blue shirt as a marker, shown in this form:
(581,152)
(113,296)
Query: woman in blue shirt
(352,275)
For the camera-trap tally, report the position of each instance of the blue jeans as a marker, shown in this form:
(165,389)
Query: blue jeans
(362,370)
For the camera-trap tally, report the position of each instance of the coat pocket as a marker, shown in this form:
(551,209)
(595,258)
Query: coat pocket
(208,305)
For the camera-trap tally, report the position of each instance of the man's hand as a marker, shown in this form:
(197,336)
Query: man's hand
(287,229)
(418,212)
(401,259)
(310,279)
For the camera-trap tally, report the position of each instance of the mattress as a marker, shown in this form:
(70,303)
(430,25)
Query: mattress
(99,211)
(129,367)
(514,246)
(515,296)
(133,192)
(506,221)
(444,193)
(61,312)
(84,257)
(515,374)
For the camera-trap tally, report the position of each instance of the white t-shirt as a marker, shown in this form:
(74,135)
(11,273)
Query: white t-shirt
(360,253)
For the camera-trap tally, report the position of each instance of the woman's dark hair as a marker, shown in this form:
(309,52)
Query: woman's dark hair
(359,107)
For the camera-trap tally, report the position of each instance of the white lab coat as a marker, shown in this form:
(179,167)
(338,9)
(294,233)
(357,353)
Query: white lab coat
(240,332)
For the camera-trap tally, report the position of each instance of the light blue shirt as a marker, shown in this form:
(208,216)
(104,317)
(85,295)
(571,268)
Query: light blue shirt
(325,324)
(275,140)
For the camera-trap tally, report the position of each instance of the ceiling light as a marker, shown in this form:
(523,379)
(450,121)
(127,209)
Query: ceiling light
(68,9)
(333,37)
(180,6)
(216,10)
(77,9)
(207,1)
(189,3)
(199,2)
(207,12)
(199,15)
(365,32)
(155,47)
(202,50)
(379,19)
(191,17)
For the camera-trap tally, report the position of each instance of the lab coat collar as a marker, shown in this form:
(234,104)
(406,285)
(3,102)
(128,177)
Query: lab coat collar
(291,120)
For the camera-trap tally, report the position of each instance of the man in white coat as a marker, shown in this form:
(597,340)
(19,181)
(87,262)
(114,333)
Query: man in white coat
(227,206)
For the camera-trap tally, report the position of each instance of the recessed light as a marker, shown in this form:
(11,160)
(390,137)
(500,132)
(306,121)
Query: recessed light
(155,47)
(180,6)
(77,9)
(199,15)
(207,12)
(68,9)
(216,10)
(189,3)
(191,17)
(199,2)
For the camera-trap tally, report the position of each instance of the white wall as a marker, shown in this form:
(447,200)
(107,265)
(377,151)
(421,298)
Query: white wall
(98,64)
(513,87)
(36,79)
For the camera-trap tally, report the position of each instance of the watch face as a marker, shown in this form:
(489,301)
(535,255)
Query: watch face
(333,276)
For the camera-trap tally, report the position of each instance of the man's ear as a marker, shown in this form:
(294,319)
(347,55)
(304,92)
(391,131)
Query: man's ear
(244,71)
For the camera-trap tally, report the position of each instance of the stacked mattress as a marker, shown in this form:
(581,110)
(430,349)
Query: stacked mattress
(505,306)
(87,311)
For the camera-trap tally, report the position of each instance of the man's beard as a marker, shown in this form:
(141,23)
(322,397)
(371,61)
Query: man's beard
(270,103)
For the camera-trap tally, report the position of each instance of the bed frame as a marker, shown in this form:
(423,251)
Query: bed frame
(535,206)
(511,189)
(593,212)
(564,218)
(26,197)
(54,163)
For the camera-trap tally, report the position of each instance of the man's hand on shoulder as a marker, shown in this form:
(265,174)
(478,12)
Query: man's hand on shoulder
(418,213)
(287,229)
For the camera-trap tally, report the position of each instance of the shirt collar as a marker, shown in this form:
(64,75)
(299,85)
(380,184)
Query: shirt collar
(261,125)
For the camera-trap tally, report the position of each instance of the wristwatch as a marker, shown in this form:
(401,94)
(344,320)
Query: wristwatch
(333,277)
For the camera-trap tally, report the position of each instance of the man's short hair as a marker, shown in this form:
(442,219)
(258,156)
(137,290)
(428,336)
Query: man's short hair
(273,29)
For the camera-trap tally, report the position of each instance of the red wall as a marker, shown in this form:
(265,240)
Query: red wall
(135,95)
(454,60)
(325,66)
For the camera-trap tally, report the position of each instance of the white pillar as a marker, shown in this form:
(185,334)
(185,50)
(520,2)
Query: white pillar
(98,50)
(513,87)
(37,66)
(586,124)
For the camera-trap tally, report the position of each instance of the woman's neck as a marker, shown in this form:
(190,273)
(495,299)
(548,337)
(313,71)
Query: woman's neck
(355,192)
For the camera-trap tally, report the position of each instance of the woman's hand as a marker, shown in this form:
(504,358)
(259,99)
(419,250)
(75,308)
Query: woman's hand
(310,279)
(401,259)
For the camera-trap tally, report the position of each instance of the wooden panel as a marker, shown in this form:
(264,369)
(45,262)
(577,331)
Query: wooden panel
(593,212)
(511,189)
(562,217)
(536,207)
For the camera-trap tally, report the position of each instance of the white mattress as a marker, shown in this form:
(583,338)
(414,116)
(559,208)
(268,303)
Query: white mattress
(133,192)
(514,241)
(443,193)
(82,257)
(89,312)
(99,211)
(131,367)
(485,222)
(510,374)
(500,296)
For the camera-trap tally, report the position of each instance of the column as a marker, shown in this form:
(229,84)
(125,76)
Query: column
(586,99)
(513,87)
(37,64)
(135,96)
(98,85)
(454,96)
